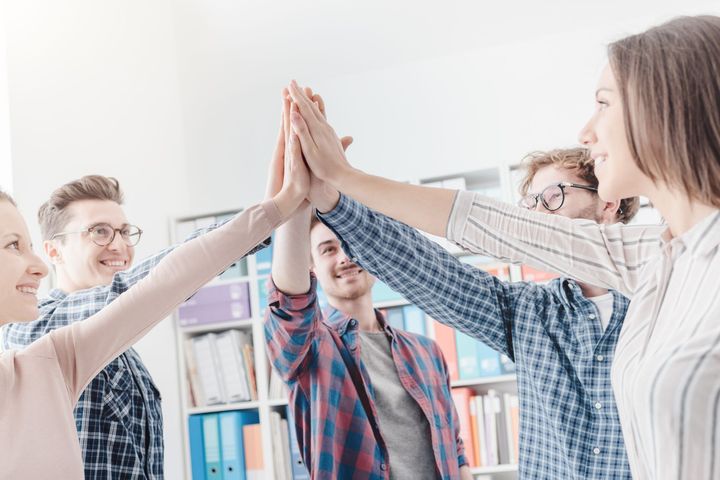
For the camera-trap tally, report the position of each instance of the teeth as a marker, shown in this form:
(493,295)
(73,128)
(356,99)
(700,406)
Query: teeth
(599,161)
(30,290)
(117,263)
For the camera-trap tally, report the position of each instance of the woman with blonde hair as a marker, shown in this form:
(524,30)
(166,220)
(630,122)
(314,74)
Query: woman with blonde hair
(655,133)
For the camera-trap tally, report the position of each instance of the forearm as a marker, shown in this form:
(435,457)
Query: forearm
(611,256)
(85,347)
(291,255)
(465,473)
(425,208)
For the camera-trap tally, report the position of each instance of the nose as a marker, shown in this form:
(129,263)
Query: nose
(117,243)
(587,133)
(37,267)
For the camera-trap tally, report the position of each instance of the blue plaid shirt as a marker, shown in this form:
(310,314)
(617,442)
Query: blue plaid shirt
(569,424)
(119,415)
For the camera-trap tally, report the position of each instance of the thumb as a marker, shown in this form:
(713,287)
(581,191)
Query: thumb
(346,142)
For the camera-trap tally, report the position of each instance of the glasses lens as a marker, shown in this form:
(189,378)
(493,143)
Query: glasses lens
(101,234)
(528,201)
(131,235)
(553,197)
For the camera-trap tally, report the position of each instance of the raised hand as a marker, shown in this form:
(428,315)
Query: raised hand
(289,178)
(322,148)
(323,196)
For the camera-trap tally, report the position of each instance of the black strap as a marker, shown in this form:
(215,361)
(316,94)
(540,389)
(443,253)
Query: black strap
(359,385)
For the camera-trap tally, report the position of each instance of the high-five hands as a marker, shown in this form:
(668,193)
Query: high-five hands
(323,150)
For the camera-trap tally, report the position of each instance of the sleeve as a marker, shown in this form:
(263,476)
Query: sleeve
(291,323)
(84,348)
(456,294)
(80,305)
(610,256)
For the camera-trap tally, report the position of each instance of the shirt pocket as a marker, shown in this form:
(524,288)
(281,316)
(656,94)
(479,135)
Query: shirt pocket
(117,401)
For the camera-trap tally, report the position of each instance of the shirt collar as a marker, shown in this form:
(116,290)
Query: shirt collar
(341,321)
(701,239)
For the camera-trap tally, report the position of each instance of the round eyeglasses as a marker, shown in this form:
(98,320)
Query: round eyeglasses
(103,234)
(552,197)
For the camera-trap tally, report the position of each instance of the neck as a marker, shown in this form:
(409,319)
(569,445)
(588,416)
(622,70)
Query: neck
(590,291)
(680,212)
(361,309)
(65,284)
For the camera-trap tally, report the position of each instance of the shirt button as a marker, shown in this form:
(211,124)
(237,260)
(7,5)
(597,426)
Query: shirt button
(383,466)
(353,347)
(596,451)
(598,405)
(600,358)
(353,322)
(592,316)
(354,260)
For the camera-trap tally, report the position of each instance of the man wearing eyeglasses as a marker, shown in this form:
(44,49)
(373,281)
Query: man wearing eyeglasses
(91,245)
(561,335)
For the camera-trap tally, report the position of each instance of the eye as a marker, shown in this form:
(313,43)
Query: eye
(14,245)
(601,104)
(328,250)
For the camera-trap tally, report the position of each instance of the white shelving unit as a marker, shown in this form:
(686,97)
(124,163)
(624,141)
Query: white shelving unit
(254,326)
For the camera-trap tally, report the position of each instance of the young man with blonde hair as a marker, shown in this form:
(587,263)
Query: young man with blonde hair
(561,335)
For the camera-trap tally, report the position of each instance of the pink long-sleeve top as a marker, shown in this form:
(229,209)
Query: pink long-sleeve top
(40,385)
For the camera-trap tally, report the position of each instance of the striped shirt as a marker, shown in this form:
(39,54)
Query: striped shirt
(552,332)
(338,432)
(118,416)
(666,373)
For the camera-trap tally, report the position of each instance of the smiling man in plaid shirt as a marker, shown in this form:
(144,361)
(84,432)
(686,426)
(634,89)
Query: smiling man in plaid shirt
(91,246)
(369,401)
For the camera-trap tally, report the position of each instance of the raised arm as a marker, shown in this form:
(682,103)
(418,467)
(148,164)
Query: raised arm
(84,348)
(612,256)
(451,292)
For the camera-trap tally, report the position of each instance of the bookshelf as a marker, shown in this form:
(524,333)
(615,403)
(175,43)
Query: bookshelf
(249,274)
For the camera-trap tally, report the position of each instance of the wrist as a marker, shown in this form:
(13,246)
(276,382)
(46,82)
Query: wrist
(327,199)
(339,176)
(286,202)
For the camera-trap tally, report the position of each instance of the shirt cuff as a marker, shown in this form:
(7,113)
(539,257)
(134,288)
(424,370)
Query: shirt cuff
(459,216)
(292,303)
(345,214)
(462,461)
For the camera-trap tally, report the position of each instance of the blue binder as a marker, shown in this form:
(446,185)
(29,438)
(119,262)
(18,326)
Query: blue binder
(197,450)
(414,319)
(231,439)
(211,440)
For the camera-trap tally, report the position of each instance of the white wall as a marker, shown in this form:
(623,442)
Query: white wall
(94,89)
(5,158)
(180,99)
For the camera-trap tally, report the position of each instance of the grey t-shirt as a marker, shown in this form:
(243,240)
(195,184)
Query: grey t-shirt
(402,423)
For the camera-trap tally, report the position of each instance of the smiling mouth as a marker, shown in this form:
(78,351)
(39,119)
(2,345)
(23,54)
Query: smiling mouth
(350,273)
(114,263)
(28,290)
(599,160)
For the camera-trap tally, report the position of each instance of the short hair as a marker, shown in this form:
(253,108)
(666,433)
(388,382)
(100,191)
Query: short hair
(53,215)
(5,197)
(669,82)
(577,160)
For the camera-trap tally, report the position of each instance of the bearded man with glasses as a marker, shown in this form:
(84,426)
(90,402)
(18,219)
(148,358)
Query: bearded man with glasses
(90,244)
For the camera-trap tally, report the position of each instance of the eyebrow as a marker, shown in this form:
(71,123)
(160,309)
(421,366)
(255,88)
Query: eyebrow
(326,242)
(603,89)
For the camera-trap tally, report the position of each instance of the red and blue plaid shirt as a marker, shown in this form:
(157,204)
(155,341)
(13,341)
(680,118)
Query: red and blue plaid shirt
(339,437)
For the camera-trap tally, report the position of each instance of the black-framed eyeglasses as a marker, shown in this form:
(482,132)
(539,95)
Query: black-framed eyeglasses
(552,197)
(103,234)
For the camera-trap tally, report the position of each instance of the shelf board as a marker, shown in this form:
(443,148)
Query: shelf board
(495,469)
(279,402)
(223,407)
(509,378)
(214,327)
